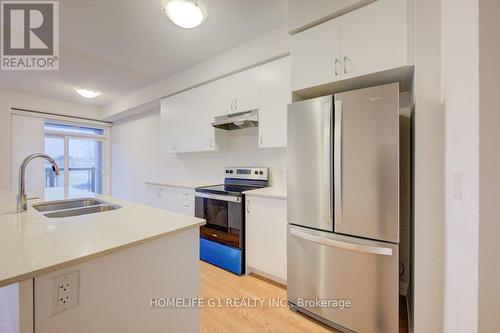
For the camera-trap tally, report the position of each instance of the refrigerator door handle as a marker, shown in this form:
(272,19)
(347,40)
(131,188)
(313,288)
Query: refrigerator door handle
(338,162)
(342,245)
(327,158)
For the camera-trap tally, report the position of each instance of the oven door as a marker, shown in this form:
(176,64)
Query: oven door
(224,216)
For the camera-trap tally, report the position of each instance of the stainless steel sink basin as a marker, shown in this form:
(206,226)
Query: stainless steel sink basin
(66,204)
(74,207)
(82,211)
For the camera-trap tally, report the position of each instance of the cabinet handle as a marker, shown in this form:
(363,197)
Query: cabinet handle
(248,206)
(232,104)
(211,144)
(261,138)
(236,104)
(336,67)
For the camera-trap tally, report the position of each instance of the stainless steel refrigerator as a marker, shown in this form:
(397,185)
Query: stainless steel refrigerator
(343,209)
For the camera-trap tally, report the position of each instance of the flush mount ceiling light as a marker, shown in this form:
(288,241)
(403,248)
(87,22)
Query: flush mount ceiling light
(184,13)
(87,93)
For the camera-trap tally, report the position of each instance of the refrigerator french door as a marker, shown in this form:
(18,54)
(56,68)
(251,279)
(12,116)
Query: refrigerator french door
(343,208)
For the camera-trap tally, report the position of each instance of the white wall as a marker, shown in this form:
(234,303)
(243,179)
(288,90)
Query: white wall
(10,100)
(460,46)
(136,157)
(489,155)
(261,49)
(428,182)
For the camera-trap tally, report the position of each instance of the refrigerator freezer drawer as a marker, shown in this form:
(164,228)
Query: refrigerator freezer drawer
(336,269)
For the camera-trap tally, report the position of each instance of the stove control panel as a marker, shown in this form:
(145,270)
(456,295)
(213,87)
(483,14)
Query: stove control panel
(247,173)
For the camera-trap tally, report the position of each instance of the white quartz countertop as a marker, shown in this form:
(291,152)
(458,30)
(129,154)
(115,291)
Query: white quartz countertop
(268,192)
(189,185)
(32,244)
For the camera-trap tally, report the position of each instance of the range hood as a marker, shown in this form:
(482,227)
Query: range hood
(237,120)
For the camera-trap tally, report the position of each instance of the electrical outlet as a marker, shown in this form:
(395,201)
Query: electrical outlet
(65,292)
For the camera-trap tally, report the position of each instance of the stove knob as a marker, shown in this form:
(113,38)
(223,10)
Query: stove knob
(262,172)
(230,171)
(256,172)
(227,171)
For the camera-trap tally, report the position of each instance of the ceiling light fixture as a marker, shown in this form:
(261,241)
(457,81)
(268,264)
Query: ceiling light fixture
(184,13)
(87,93)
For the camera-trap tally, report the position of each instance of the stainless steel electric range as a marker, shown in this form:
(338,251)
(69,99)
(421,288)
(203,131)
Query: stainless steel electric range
(222,238)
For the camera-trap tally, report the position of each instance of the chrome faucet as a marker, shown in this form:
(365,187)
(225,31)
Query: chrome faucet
(22,200)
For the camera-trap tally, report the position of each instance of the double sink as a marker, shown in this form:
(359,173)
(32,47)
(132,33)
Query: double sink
(74,207)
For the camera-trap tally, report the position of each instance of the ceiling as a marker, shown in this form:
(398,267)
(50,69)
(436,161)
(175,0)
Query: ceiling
(118,47)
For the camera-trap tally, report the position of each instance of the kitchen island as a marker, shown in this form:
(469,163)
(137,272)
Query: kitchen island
(114,265)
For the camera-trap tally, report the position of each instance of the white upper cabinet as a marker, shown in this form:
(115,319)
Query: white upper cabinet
(196,132)
(186,122)
(246,90)
(374,38)
(168,131)
(367,40)
(236,93)
(274,95)
(186,117)
(316,56)
(223,95)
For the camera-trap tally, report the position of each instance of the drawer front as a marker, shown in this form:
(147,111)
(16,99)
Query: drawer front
(185,207)
(186,194)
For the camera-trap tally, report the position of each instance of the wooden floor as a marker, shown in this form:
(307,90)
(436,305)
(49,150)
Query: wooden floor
(219,284)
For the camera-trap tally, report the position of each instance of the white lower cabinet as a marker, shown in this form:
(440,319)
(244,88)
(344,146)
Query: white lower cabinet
(265,247)
(172,198)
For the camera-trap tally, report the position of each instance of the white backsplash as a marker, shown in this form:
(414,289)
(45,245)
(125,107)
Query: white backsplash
(242,151)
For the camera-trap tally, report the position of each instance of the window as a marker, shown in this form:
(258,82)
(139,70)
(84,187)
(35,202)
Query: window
(79,152)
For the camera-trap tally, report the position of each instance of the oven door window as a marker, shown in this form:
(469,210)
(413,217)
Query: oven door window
(216,214)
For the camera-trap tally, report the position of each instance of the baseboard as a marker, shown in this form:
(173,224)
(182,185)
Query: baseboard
(266,276)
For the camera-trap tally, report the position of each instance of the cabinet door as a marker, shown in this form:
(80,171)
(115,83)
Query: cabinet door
(246,90)
(223,96)
(316,56)
(274,94)
(374,38)
(169,115)
(196,132)
(266,236)
(186,122)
